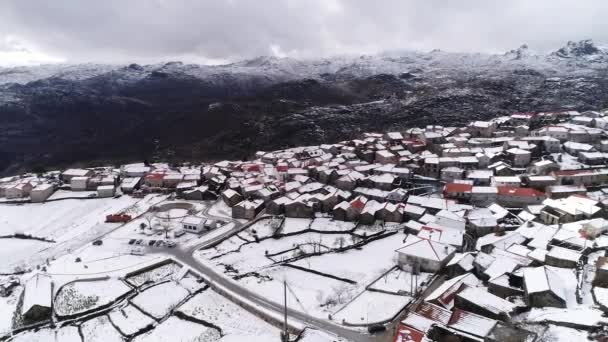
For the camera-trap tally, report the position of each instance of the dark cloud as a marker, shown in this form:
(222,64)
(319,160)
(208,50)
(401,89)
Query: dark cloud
(207,31)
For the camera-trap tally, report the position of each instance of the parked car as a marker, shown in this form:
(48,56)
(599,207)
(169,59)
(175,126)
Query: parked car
(97,243)
(138,251)
(132,241)
(376,328)
(139,242)
(151,243)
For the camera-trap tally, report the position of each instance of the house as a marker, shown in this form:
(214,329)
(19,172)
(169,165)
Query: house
(154,180)
(37,296)
(383,182)
(503,287)
(385,157)
(466,326)
(369,212)
(130,184)
(506,181)
(41,192)
(136,170)
(18,190)
(339,211)
(68,174)
(570,209)
(484,195)
(355,207)
(481,302)
(581,177)
(562,257)
(406,333)
(247,209)
(457,191)
(105,191)
(424,255)
(452,173)
(193,224)
(79,183)
(171,180)
(445,293)
(277,205)
(301,207)
(482,128)
(201,193)
(349,181)
(480,177)
(519,157)
(519,197)
(390,212)
(563,191)
(460,264)
(543,287)
(539,182)
(591,158)
(231,197)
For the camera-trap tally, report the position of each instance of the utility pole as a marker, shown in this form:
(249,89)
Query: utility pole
(285,332)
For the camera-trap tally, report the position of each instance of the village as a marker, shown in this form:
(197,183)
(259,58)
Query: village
(495,231)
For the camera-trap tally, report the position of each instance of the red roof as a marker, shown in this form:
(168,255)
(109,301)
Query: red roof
(250,167)
(357,203)
(407,334)
(434,312)
(457,188)
(155,176)
(519,192)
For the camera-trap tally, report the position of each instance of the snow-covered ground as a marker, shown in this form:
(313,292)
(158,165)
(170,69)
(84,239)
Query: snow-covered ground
(398,281)
(176,329)
(80,296)
(100,329)
(157,274)
(129,320)
(160,299)
(372,307)
(64,334)
(71,223)
(236,323)
(8,305)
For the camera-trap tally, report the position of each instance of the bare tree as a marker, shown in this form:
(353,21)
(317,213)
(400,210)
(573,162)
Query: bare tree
(149,217)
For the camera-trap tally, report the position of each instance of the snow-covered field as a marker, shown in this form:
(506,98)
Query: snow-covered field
(7,309)
(129,320)
(156,274)
(236,323)
(317,294)
(64,334)
(160,299)
(175,329)
(80,296)
(371,307)
(398,281)
(100,329)
(71,223)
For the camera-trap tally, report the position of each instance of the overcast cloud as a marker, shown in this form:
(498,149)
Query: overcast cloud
(205,31)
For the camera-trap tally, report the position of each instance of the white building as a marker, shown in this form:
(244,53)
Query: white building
(41,192)
(79,183)
(424,255)
(193,224)
(105,191)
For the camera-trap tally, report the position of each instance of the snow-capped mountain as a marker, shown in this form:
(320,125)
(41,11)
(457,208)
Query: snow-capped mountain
(59,114)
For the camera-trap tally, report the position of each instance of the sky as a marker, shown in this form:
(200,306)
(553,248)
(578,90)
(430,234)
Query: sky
(221,31)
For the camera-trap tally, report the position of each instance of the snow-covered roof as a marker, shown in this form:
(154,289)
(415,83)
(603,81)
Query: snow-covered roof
(426,249)
(37,292)
(541,279)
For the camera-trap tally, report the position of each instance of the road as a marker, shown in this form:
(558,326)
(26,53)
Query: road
(186,257)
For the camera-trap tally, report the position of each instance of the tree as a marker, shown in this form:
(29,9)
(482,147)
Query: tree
(149,216)
(339,242)
(166,224)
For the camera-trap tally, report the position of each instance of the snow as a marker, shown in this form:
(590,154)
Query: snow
(160,299)
(80,296)
(583,316)
(179,330)
(235,322)
(100,329)
(13,251)
(293,225)
(155,275)
(400,281)
(9,305)
(129,320)
(328,224)
(371,307)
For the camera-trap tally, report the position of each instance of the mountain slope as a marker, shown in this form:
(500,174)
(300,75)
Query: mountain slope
(62,114)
